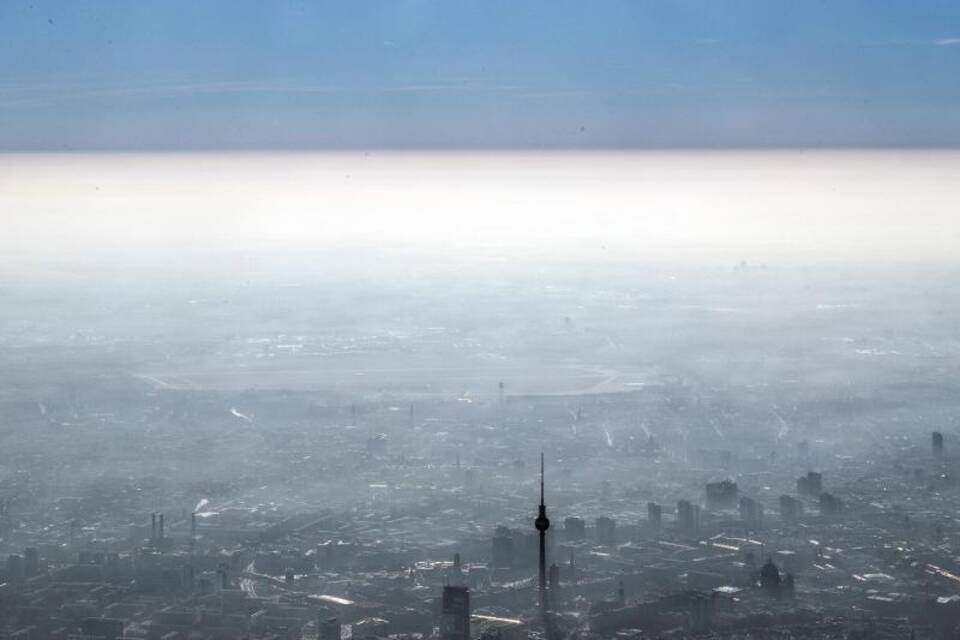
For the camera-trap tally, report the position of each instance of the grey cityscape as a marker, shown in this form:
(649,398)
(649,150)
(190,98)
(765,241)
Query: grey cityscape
(479,320)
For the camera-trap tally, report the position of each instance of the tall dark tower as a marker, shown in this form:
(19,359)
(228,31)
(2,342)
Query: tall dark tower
(542,523)
(455,622)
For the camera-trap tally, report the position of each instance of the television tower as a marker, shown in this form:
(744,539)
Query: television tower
(542,523)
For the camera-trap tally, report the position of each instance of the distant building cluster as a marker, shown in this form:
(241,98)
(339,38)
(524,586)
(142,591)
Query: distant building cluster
(440,529)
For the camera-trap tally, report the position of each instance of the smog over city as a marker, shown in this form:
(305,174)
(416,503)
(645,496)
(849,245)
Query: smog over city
(479,321)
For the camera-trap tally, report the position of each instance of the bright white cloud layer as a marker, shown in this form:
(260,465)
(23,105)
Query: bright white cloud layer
(773,207)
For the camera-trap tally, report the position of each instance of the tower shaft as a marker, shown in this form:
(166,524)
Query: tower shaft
(542,523)
(543,570)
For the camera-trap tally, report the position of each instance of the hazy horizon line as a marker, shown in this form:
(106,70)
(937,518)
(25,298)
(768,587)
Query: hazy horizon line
(477,149)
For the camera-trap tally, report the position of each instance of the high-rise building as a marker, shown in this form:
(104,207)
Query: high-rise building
(455,619)
(15,566)
(502,549)
(455,573)
(654,517)
(688,516)
(328,628)
(188,577)
(830,505)
(606,529)
(223,574)
(936,441)
(788,587)
(722,495)
(790,509)
(770,578)
(701,612)
(751,512)
(810,485)
(575,528)
(31,562)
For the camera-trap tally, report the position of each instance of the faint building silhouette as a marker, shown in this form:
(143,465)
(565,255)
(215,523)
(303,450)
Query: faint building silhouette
(751,513)
(810,485)
(502,549)
(15,568)
(688,517)
(770,579)
(328,628)
(721,495)
(790,509)
(574,528)
(830,505)
(606,529)
(102,628)
(654,517)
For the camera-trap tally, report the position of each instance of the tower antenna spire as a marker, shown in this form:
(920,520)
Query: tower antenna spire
(541,479)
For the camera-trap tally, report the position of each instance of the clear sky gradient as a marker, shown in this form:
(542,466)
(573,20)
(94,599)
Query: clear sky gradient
(189,74)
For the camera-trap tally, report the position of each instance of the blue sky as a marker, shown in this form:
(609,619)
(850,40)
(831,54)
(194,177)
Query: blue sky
(185,74)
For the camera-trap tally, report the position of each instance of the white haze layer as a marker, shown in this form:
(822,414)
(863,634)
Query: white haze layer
(690,207)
